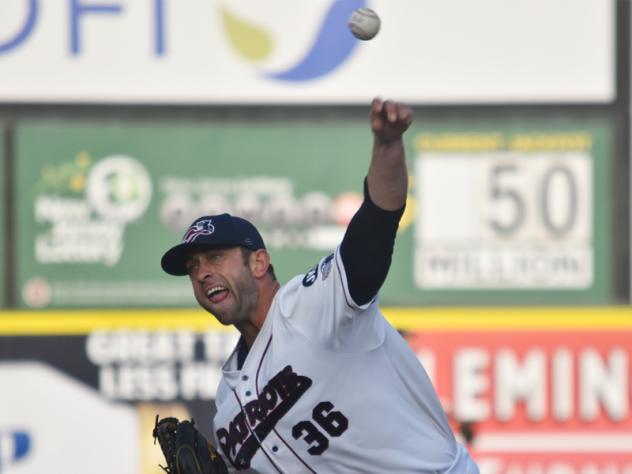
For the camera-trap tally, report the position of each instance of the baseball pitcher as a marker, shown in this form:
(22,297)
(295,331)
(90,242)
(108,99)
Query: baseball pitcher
(319,381)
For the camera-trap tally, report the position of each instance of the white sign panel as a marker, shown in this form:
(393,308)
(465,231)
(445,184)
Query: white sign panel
(49,422)
(284,51)
(504,219)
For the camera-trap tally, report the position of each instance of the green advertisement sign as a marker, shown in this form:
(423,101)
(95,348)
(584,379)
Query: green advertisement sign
(3,234)
(98,204)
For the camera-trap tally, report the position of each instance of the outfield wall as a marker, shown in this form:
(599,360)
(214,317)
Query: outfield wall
(526,389)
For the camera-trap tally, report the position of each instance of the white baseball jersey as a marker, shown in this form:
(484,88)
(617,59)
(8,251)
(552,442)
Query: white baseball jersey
(331,387)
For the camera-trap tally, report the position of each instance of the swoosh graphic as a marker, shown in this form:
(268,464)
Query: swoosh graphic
(22,443)
(332,46)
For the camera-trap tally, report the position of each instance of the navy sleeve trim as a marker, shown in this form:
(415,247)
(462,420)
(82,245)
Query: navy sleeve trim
(367,248)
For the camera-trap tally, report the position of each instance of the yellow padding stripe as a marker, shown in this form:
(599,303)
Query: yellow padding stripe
(513,318)
(75,322)
(83,322)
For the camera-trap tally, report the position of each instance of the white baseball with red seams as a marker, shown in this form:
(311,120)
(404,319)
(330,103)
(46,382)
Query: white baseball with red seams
(331,387)
(364,23)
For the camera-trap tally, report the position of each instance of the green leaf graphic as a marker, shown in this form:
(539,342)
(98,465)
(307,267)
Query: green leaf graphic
(250,40)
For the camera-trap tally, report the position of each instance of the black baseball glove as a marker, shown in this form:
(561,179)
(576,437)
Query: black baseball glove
(185,448)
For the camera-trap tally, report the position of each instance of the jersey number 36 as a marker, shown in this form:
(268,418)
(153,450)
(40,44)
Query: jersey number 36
(334,423)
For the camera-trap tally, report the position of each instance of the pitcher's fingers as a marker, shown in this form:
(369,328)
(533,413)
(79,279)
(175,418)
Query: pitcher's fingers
(376,106)
(405,114)
(377,124)
(390,110)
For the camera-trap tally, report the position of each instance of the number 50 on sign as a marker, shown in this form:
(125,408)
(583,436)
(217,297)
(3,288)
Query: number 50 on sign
(503,219)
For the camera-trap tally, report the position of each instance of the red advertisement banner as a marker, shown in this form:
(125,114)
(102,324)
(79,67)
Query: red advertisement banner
(536,402)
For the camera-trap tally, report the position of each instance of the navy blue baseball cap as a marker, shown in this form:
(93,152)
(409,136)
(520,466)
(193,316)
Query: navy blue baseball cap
(208,232)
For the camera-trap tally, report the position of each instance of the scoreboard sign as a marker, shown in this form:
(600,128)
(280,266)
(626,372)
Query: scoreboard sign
(524,224)
(511,210)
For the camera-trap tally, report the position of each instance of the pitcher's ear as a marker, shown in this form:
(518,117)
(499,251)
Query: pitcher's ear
(259,263)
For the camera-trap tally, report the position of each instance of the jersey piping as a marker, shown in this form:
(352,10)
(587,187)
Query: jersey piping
(274,428)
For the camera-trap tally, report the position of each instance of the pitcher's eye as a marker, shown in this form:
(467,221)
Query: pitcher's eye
(190,267)
(214,256)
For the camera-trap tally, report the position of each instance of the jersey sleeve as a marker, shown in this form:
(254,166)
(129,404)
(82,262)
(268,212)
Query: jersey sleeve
(319,305)
(367,248)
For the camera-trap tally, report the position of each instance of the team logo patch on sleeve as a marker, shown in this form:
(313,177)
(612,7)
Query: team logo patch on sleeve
(310,277)
(325,267)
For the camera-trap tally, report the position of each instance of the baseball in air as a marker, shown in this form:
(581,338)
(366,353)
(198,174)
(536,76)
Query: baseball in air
(364,23)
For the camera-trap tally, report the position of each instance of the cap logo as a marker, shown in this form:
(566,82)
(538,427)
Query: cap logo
(204,227)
